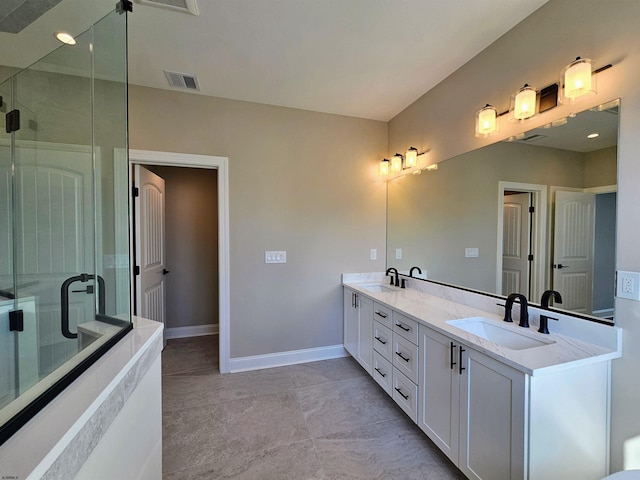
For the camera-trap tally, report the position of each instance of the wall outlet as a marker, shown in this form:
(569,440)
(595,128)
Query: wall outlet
(273,256)
(628,285)
(398,254)
(471,252)
(373,254)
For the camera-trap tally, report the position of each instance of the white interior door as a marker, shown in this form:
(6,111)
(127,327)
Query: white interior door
(515,244)
(573,249)
(150,246)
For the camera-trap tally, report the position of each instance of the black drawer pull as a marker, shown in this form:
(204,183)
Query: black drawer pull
(381,341)
(460,366)
(380,372)
(380,314)
(403,357)
(451,355)
(406,329)
(406,397)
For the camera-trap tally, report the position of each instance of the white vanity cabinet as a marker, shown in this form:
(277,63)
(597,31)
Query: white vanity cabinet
(358,328)
(495,422)
(472,407)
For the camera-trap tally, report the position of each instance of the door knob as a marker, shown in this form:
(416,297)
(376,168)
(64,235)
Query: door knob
(560,266)
(165,271)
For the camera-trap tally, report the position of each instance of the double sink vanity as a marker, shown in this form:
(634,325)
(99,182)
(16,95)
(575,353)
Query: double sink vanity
(501,401)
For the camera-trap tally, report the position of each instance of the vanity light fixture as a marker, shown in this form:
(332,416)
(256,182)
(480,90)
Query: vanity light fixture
(578,79)
(411,158)
(523,104)
(486,121)
(383,168)
(65,38)
(396,163)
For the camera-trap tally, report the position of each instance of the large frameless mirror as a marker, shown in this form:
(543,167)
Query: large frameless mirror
(527,214)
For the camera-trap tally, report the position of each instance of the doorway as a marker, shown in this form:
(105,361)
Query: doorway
(162,160)
(521,252)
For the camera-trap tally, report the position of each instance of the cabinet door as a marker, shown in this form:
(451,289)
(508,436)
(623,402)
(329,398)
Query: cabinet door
(350,322)
(438,384)
(365,332)
(492,418)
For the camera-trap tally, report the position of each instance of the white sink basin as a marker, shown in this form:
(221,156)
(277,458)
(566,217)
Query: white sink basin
(491,330)
(377,287)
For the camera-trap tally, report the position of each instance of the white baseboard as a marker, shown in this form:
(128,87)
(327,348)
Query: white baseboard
(280,359)
(194,331)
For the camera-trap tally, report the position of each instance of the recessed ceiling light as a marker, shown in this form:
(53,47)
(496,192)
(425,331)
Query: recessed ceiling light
(65,38)
(593,135)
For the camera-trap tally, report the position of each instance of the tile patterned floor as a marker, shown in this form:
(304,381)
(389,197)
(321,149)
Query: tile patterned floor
(317,421)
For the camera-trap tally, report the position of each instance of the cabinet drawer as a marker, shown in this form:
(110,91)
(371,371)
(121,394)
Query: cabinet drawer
(382,337)
(405,357)
(405,327)
(382,372)
(405,394)
(382,314)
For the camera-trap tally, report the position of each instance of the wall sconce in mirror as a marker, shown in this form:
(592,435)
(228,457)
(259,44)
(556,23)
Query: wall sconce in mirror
(396,163)
(384,167)
(411,158)
(523,104)
(486,121)
(578,80)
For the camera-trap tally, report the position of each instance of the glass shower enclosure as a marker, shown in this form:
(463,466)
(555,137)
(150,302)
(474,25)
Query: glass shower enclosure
(64,225)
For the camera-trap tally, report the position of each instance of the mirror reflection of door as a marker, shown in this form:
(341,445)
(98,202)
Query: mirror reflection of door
(584,251)
(516,243)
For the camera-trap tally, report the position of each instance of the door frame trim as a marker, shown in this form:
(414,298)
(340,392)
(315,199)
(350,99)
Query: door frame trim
(221,164)
(540,202)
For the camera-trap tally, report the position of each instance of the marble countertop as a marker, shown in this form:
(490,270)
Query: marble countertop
(434,312)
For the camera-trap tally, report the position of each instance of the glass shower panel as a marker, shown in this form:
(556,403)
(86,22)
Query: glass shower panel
(110,139)
(8,390)
(54,203)
(64,224)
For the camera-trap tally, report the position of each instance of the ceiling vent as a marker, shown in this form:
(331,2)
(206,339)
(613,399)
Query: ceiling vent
(184,6)
(182,80)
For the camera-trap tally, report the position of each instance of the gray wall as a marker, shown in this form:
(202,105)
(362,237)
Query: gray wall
(191,236)
(299,181)
(604,260)
(534,52)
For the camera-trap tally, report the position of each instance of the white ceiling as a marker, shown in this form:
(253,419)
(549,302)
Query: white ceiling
(363,58)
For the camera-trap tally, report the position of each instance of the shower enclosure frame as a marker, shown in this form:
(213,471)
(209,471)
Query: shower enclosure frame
(35,143)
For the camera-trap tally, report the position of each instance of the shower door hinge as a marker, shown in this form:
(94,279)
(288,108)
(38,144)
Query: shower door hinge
(13,121)
(135,191)
(16,321)
(136,270)
(124,6)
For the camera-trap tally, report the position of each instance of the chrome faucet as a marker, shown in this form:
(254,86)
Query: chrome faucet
(414,268)
(544,303)
(397,281)
(524,313)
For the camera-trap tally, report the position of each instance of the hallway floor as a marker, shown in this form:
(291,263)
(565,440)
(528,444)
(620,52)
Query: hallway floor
(321,420)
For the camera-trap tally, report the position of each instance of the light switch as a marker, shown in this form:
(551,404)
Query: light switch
(273,256)
(471,252)
(373,254)
(398,253)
